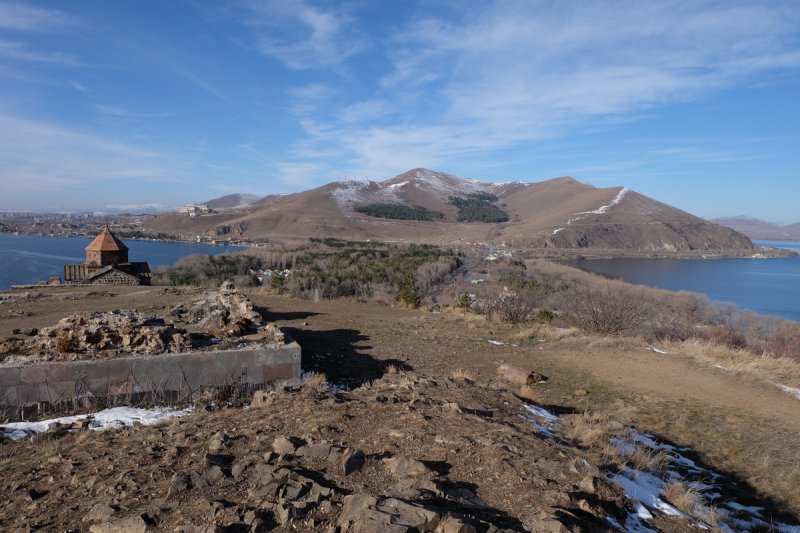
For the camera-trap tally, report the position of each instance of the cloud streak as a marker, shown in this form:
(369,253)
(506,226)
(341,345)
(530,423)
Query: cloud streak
(301,35)
(22,17)
(74,159)
(518,72)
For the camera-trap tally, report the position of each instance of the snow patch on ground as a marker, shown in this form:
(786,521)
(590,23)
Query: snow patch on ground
(555,231)
(496,343)
(655,350)
(791,390)
(114,418)
(645,488)
(548,419)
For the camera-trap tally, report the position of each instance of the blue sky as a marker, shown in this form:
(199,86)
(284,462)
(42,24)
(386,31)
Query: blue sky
(160,103)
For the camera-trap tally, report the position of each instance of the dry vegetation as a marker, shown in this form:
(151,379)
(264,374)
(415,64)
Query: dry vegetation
(533,293)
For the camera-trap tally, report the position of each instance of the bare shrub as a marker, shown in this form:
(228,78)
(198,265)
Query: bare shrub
(512,308)
(724,336)
(605,309)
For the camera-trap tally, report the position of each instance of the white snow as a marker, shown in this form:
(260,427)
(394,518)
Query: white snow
(398,185)
(496,343)
(602,209)
(555,231)
(645,488)
(791,390)
(541,412)
(656,350)
(436,181)
(114,418)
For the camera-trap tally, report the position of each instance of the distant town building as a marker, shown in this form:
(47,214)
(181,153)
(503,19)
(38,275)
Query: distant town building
(107,264)
(195,210)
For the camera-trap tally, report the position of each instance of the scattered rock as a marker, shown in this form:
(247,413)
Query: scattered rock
(180,483)
(352,461)
(284,445)
(99,513)
(401,466)
(131,524)
(454,525)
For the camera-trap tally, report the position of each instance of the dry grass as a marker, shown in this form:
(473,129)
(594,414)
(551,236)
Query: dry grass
(548,333)
(315,382)
(691,502)
(462,374)
(645,459)
(393,370)
(743,363)
(530,393)
(629,344)
(590,429)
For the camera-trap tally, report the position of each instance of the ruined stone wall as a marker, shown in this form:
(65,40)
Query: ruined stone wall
(26,391)
(116,277)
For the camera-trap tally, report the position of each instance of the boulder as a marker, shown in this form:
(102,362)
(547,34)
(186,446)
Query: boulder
(519,375)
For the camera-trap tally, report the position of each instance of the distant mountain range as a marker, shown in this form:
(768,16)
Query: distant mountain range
(422,205)
(238,200)
(758,229)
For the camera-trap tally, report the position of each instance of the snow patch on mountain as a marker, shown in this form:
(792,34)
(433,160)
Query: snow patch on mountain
(602,209)
(351,193)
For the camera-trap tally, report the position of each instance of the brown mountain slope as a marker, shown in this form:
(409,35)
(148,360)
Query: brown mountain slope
(560,213)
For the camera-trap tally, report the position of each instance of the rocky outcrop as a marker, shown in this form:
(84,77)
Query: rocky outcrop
(217,319)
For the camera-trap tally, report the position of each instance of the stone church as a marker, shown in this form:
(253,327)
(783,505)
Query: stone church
(107,264)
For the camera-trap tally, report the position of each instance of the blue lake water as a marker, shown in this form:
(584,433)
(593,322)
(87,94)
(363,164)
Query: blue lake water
(30,258)
(766,286)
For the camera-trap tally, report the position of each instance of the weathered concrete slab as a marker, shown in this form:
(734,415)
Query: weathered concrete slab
(31,389)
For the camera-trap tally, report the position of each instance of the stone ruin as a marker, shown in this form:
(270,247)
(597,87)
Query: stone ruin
(221,319)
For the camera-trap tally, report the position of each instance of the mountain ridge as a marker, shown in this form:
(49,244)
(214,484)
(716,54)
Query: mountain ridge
(757,228)
(556,214)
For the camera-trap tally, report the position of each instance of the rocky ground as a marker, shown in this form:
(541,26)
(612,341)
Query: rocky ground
(425,437)
(404,451)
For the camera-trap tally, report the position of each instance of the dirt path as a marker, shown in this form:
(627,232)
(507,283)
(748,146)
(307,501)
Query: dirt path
(677,377)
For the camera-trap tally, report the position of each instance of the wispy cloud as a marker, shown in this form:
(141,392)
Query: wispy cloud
(73,158)
(511,73)
(124,112)
(20,16)
(17,51)
(302,35)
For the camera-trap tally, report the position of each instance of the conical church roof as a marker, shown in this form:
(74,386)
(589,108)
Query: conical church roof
(106,242)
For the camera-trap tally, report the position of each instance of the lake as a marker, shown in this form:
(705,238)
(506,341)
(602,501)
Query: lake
(27,259)
(766,286)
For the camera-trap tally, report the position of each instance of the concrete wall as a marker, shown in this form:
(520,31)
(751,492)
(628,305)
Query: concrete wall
(27,391)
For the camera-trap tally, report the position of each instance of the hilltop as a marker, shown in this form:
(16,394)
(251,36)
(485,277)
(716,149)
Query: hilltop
(422,205)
